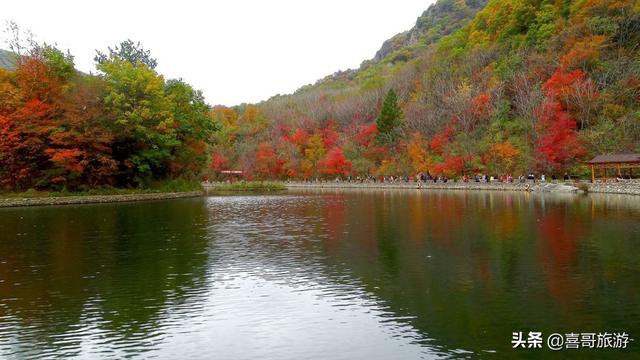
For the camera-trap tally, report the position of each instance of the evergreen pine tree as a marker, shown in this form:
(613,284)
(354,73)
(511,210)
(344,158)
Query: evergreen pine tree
(389,119)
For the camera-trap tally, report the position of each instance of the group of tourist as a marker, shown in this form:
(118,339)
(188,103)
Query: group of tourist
(427,177)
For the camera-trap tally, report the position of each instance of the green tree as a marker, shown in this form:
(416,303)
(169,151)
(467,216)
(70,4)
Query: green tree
(59,62)
(128,51)
(389,120)
(193,127)
(144,119)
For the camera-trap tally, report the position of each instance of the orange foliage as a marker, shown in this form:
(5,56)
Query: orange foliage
(504,150)
(34,77)
(503,156)
(417,153)
(226,115)
(480,105)
(69,159)
(583,52)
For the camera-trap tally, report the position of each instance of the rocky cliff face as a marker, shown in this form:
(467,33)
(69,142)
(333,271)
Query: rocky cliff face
(397,42)
(440,19)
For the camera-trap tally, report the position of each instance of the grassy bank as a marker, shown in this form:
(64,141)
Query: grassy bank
(172,186)
(248,186)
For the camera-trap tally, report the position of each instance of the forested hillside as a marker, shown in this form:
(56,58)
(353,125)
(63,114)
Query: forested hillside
(126,127)
(504,87)
(519,86)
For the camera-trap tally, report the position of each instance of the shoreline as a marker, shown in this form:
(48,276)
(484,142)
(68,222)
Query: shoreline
(410,186)
(631,188)
(94,199)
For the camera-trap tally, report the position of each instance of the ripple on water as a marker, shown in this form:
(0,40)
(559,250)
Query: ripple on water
(302,277)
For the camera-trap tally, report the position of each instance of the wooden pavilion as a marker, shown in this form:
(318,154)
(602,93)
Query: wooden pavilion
(618,162)
(232,175)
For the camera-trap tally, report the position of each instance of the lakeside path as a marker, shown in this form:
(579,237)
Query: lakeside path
(625,188)
(94,199)
(409,185)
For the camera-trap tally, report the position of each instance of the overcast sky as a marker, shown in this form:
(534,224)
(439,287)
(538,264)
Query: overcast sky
(234,50)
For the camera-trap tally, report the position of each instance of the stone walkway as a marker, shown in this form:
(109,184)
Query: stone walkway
(623,187)
(629,187)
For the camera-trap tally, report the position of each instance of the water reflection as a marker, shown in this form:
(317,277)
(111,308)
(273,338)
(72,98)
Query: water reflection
(317,274)
(103,272)
(485,264)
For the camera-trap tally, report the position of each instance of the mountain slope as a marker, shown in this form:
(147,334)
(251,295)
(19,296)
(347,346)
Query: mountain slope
(7,60)
(440,19)
(519,86)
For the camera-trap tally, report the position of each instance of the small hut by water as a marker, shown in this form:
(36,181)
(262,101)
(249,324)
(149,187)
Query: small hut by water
(620,163)
(232,175)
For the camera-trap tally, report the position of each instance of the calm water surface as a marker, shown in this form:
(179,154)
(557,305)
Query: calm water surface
(319,275)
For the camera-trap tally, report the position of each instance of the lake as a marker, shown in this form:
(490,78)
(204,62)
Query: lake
(328,274)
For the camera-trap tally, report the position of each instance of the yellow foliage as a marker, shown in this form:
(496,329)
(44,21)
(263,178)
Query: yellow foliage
(583,52)
(479,38)
(315,149)
(10,95)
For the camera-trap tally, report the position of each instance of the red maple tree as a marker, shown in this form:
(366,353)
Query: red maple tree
(334,163)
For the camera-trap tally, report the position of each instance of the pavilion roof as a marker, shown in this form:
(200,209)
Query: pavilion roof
(615,159)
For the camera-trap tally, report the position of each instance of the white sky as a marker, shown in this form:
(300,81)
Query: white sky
(235,50)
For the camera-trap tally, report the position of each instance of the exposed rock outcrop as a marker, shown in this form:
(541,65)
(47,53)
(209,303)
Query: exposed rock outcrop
(440,19)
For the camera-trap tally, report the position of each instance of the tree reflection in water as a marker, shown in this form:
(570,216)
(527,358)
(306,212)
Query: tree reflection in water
(335,274)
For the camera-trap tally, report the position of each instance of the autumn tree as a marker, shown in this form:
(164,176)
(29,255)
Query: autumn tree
(54,132)
(558,144)
(23,141)
(313,152)
(219,162)
(442,139)
(34,92)
(575,92)
(192,128)
(299,137)
(502,158)
(334,163)
(81,148)
(266,161)
(366,134)
(417,151)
